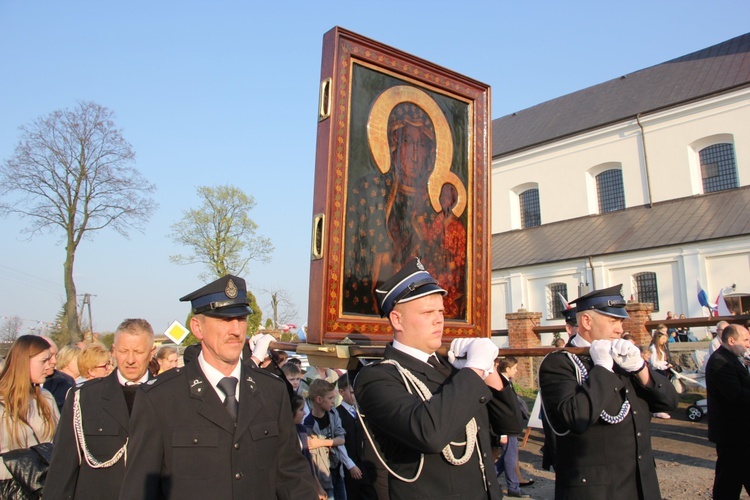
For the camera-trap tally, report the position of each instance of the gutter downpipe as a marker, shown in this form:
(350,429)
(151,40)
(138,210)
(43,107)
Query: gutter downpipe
(645,158)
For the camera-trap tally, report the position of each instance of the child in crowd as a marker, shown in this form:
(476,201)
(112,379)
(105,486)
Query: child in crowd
(294,377)
(507,463)
(326,441)
(357,479)
(298,413)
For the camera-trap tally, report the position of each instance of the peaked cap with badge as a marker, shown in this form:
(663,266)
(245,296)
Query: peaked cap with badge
(607,301)
(224,298)
(570,316)
(410,283)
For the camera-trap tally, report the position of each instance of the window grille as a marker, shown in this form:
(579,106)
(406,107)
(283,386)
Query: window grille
(646,289)
(555,306)
(530,214)
(718,168)
(610,191)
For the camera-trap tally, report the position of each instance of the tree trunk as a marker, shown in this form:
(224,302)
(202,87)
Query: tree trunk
(71,305)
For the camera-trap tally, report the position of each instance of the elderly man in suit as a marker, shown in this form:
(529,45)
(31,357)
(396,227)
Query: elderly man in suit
(433,420)
(216,428)
(728,389)
(88,461)
(599,406)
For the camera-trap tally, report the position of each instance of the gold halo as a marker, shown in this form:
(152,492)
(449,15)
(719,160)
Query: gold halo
(377,137)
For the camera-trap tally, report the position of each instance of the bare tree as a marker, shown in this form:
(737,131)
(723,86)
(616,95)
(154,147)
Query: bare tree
(221,234)
(72,173)
(283,310)
(11,329)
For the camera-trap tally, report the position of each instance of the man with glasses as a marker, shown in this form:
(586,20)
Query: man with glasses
(88,461)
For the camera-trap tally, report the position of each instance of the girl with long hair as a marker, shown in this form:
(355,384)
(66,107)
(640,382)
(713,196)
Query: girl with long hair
(28,413)
(660,360)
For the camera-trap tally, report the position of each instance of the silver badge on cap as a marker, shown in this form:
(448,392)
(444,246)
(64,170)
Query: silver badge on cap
(231,290)
(420,266)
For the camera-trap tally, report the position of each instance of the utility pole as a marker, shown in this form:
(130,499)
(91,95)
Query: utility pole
(88,336)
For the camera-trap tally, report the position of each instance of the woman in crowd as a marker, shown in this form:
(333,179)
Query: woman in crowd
(660,360)
(94,361)
(167,357)
(67,360)
(28,413)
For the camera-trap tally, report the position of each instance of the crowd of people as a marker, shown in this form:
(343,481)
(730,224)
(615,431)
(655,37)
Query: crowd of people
(239,420)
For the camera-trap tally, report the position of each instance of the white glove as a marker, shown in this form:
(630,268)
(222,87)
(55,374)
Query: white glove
(259,345)
(457,352)
(600,353)
(627,355)
(480,354)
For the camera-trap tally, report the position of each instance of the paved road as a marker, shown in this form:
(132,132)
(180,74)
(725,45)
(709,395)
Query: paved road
(685,460)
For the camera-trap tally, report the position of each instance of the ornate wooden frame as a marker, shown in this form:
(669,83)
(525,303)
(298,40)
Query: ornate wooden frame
(363,78)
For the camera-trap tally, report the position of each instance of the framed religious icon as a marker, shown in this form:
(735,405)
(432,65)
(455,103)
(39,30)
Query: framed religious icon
(402,171)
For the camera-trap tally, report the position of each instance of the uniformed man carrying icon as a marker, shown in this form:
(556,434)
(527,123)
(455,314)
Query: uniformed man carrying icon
(216,428)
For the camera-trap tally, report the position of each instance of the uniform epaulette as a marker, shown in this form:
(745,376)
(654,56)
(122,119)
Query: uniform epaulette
(161,378)
(88,383)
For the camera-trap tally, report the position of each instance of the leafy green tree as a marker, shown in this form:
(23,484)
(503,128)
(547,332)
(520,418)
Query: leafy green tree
(72,174)
(220,234)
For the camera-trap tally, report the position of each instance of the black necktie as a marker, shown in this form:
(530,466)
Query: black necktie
(228,386)
(440,367)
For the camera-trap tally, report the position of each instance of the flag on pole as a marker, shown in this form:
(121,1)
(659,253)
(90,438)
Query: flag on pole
(563,301)
(721,305)
(703,297)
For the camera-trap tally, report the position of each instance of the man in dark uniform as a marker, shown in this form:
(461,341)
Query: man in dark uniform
(88,461)
(432,421)
(728,389)
(216,428)
(599,407)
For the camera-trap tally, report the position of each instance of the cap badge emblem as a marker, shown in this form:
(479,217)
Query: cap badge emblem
(420,266)
(231,290)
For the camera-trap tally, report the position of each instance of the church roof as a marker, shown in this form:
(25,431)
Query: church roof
(720,68)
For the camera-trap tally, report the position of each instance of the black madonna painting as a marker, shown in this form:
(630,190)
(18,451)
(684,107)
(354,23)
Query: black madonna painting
(406,198)
(402,171)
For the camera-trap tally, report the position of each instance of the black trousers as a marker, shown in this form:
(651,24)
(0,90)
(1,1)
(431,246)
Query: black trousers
(732,471)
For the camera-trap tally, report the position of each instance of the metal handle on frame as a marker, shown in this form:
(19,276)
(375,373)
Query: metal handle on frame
(318,236)
(324,106)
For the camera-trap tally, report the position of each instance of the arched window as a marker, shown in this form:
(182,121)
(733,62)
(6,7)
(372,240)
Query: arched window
(610,191)
(555,306)
(718,167)
(645,289)
(530,213)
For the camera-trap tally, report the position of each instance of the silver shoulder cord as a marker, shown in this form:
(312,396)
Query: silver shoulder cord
(81,441)
(581,375)
(471,443)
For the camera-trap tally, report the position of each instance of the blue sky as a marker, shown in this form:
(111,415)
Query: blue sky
(223,92)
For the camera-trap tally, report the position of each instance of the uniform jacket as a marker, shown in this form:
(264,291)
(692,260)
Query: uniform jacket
(728,389)
(184,444)
(597,460)
(405,426)
(105,427)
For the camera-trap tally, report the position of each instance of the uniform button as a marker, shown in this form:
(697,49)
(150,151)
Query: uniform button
(100,429)
(615,389)
(659,385)
(635,412)
(638,434)
(238,475)
(627,391)
(195,440)
(583,479)
(482,399)
(236,446)
(484,455)
(639,457)
(265,433)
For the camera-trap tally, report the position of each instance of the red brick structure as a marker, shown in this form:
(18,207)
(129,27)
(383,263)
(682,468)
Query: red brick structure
(521,334)
(639,313)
